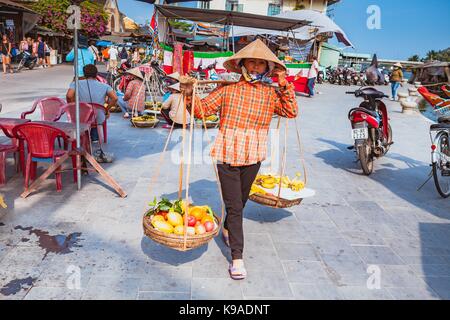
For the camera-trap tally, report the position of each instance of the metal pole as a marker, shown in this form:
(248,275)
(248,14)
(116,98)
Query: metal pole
(77,104)
(232,36)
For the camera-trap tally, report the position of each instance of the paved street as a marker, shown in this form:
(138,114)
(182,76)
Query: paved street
(356,230)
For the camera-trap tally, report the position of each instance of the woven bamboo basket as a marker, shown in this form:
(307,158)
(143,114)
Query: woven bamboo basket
(144,124)
(175,241)
(274,201)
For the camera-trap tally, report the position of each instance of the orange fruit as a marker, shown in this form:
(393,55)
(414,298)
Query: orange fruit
(197,212)
(207,218)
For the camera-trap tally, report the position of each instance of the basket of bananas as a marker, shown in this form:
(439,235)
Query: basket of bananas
(210,122)
(265,190)
(145,121)
(169,222)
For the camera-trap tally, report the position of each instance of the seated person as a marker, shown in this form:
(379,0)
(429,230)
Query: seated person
(172,108)
(134,98)
(93,91)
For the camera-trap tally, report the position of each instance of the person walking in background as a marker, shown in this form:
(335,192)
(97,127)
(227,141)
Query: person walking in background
(396,79)
(6,54)
(113,57)
(41,52)
(85,55)
(94,51)
(48,51)
(312,75)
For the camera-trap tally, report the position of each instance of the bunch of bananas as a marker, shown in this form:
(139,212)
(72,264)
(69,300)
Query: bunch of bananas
(212,118)
(269,181)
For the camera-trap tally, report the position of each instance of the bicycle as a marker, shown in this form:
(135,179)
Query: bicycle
(440,152)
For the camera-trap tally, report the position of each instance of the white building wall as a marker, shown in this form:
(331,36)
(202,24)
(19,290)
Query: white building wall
(262,6)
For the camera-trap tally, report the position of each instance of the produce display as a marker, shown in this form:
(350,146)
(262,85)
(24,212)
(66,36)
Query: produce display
(269,181)
(145,118)
(168,217)
(210,119)
(155,106)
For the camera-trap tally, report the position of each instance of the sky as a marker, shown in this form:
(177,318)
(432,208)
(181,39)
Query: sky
(407,27)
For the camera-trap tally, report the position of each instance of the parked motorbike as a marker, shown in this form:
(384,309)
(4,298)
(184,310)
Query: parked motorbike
(320,77)
(26,61)
(371,131)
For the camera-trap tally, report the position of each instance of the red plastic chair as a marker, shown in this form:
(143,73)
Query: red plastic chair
(88,116)
(4,150)
(104,125)
(40,140)
(51,108)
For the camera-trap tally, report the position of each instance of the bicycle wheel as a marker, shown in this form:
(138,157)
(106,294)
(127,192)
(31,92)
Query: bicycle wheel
(116,84)
(441,168)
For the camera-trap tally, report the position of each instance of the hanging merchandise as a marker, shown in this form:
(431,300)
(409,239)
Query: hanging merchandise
(178,58)
(188,61)
(300,53)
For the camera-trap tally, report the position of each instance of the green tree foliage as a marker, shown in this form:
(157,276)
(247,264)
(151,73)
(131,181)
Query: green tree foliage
(414,58)
(182,25)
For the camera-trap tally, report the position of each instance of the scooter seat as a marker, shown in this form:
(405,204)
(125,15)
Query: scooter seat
(444,119)
(440,126)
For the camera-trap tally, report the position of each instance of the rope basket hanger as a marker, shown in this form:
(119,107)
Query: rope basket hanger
(276,201)
(184,242)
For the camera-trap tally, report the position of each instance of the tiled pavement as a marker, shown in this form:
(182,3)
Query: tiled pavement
(330,247)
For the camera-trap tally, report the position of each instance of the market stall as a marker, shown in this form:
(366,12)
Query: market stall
(182,60)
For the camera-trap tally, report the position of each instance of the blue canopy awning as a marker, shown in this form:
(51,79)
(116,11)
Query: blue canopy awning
(103,43)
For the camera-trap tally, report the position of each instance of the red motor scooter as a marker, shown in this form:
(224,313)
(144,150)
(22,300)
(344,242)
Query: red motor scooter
(371,130)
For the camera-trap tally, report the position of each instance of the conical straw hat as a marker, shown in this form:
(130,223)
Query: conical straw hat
(257,50)
(136,72)
(175,86)
(174,75)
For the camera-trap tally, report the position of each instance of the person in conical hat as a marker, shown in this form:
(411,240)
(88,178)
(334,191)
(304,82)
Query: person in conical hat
(396,79)
(245,110)
(134,97)
(172,108)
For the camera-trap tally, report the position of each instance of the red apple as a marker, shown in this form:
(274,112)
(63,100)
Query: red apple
(209,226)
(191,221)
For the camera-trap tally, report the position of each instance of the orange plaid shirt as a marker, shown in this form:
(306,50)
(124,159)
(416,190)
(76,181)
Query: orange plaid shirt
(246,112)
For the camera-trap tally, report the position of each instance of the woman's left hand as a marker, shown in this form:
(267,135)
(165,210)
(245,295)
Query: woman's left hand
(281,75)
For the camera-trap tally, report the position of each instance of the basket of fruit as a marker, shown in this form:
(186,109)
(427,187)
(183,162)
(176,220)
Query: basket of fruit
(168,224)
(265,190)
(145,121)
(210,122)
